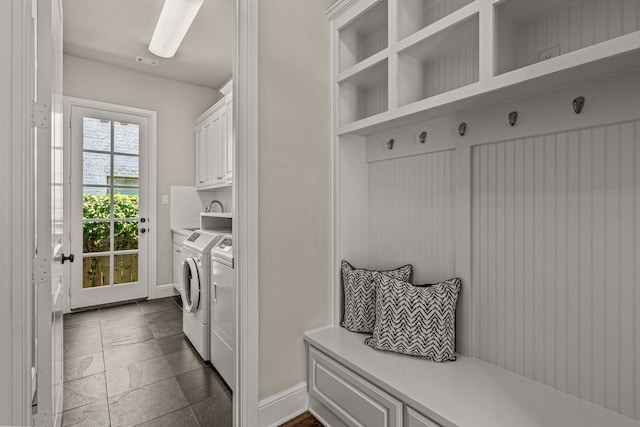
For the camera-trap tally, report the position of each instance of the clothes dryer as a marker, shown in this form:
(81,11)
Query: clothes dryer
(223,310)
(196,282)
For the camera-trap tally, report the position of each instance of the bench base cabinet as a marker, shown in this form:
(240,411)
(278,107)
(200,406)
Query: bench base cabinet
(352,400)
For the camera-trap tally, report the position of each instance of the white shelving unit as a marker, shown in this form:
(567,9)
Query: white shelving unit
(403,68)
(531,32)
(413,15)
(440,63)
(404,61)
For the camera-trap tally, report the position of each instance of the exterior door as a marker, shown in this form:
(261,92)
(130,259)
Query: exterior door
(109,206)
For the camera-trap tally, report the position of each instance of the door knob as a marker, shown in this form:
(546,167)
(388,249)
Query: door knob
(67,258)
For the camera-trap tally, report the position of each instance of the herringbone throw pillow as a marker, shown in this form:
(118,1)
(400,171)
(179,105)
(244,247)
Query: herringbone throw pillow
(419,321)
(360,295)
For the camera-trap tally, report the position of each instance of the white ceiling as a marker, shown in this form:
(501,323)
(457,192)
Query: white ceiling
(116,31)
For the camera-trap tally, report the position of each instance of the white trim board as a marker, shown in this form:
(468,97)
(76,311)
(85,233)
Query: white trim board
(283,406)
(151,115)
(245,200)
(164,291)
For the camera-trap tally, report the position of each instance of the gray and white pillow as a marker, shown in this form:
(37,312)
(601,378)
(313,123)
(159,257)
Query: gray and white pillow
(418,321)
(360,295)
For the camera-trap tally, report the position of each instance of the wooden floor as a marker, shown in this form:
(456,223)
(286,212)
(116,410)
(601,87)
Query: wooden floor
(304,420)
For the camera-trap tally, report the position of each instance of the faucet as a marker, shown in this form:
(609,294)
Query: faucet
(208,209)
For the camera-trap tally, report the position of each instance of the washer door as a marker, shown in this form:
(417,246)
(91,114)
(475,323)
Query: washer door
(191,283)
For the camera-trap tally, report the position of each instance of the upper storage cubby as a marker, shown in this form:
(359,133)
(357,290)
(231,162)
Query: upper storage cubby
(441,63)
(413,15)
(364,36)
(364,93)
(529,31)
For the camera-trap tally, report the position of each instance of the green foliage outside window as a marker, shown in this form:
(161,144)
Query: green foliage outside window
(96,235)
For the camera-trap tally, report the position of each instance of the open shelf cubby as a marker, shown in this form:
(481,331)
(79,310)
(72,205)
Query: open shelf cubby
(365,93)
(414,15)
(528,32)
(441,63)
(365,36)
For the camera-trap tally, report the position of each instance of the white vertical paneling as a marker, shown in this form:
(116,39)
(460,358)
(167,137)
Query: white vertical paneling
(555,252)
(595,22)
(500,244)
(550,267)
(629,16)
(578,25)
(450,72)
(410,198)
(573,267)
(528,245)
(585,247)
(509,256)
(627,268)
(614,24)
(562,249)
(519,282)
(538,258)
(598,268)
(612,267)
(476,194)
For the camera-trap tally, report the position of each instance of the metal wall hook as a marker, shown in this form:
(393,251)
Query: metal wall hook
(462,129)
(578,104)
(390,144)
(422,138)
(513,118)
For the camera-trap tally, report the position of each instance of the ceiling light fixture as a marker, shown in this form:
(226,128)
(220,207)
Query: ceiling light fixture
(174,22)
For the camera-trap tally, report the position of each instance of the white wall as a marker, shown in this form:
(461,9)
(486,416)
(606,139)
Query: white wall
(294,162)
(177,104)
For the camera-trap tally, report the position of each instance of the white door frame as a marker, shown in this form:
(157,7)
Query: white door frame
(152,172)
(245,195)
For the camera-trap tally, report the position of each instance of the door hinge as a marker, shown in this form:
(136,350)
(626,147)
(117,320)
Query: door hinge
(40,115)
(34,386)
(40,269)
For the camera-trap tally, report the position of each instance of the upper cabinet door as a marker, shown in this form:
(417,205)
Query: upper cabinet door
(228,151)
(218,127)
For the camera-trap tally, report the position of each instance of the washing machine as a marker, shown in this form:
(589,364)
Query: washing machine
(196,282)
(223,310)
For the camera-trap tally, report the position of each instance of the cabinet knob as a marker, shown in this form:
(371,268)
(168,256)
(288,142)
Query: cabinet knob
(201,182)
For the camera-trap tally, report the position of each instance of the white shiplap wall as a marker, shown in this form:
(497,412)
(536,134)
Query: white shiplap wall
(412,215)
(451,72)
(578,25)
(556,261)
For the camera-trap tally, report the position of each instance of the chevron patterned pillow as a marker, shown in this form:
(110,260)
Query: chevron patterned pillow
(360,295)
(419,321)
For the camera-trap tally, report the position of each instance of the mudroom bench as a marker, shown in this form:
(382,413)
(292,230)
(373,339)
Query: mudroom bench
(352,384)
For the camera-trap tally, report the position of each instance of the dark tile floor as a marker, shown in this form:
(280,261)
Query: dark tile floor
(131,365)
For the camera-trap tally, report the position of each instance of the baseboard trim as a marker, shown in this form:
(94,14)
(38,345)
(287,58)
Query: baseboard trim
(164,291)
(283,406)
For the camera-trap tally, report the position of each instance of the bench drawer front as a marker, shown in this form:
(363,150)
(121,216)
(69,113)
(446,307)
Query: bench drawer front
(350,397)
(413,418)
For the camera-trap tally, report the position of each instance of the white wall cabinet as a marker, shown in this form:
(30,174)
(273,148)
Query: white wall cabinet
(214,144)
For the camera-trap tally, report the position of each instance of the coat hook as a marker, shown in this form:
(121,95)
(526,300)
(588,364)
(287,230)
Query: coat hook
(513,118)
(390,144)
(462,129)
(422,137)
(578,104)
